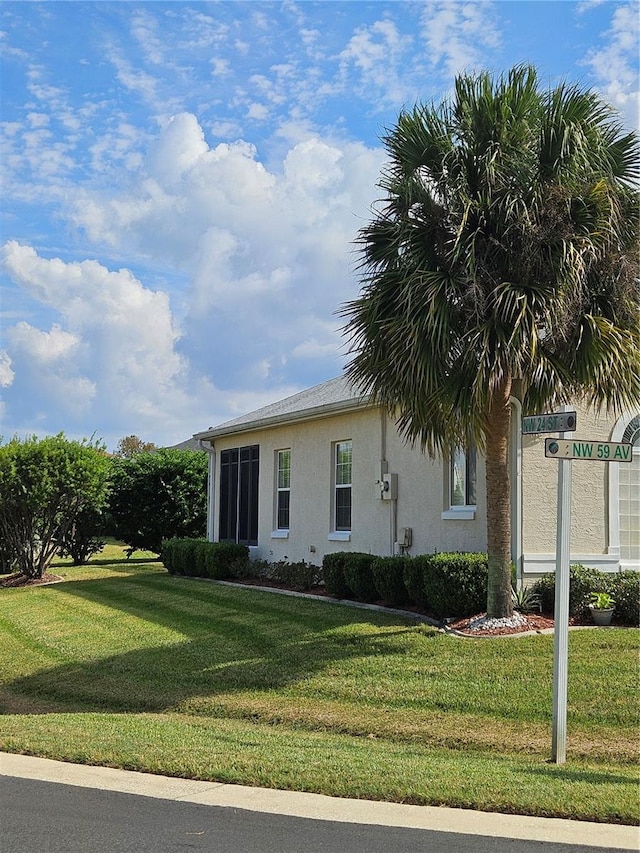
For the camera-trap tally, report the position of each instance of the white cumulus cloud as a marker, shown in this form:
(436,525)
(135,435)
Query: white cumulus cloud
(7,375)
(615,65)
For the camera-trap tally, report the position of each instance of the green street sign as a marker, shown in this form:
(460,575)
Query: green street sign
(592,451)
(552,422)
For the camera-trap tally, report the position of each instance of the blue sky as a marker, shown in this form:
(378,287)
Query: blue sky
(183,184)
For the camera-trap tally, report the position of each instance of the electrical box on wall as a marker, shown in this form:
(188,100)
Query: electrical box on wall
(389,487)
(405,537)
(381,469)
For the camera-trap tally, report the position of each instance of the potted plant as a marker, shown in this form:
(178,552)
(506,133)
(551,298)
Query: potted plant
(601,607)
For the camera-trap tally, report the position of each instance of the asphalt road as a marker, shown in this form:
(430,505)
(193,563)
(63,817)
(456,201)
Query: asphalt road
(52,817)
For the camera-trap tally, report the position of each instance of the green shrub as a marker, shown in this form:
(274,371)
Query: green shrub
(545,589)
(45,485)
(525,600)
(168,555)
(250,570)
(334,578)
(202,559)
(388,577)
(301,575)
(624,587)
(187,554)
(224,560)
(456,584)
(158,495)
(84,537)
(414,568)
(583,580)
(359,576)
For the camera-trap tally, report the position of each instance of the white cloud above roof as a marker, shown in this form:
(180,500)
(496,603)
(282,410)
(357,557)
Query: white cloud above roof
(183,184)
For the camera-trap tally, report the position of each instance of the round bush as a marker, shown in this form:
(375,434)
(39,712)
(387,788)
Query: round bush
(583,580)
(456,584)
(388,577)
(334,579)
(624,587)
(413,574)
(359,575)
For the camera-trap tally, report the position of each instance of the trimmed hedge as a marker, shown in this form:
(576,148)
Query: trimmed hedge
(359,575)
(414,580)
(456,584)
(202,559)
(623,587)
(388,577)
(224,559)
(443,584)
(301,576)
(334,580)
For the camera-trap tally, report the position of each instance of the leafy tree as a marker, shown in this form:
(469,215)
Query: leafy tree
(131,444)
(503,260)
(44,485)
(157,496)
(84,536)
(7,558)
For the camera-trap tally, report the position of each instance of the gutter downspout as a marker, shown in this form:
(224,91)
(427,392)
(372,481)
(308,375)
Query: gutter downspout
(209,448)
(393,504)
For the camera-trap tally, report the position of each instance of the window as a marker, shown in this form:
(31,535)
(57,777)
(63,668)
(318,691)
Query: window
(460,484)
(283,489)
(343,486)
(239,469)
(462,479)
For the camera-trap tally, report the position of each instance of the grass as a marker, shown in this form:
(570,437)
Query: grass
(126,666)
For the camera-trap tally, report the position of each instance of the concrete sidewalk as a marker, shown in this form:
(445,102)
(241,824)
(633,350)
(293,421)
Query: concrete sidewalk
(319,807)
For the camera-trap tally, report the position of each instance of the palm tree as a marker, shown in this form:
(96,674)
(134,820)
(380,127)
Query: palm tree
(502,261)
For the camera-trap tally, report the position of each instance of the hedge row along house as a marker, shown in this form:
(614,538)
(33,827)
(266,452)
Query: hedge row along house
(325,470)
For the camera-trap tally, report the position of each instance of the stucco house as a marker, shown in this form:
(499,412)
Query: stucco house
(325,470)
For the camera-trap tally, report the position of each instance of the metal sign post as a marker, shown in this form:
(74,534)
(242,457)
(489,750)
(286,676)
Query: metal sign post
(559,422)
(565,451)
(561,614)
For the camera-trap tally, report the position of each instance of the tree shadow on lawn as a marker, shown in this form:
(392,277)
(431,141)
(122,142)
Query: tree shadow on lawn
(234,642)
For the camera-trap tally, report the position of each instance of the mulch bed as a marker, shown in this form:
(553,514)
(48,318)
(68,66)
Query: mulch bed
(537,622)
(17,579)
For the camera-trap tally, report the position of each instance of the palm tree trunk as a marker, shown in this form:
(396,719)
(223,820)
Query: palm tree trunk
(499,604)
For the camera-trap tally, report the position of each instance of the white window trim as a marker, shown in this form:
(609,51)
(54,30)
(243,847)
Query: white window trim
(462,513)
(340,535)
(281,532)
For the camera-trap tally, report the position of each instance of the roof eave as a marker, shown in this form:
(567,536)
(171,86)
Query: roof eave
(324,411)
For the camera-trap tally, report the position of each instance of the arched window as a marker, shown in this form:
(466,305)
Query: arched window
(629,497)
(624,496)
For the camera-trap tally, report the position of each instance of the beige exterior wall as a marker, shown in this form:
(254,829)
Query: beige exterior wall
(592,504)
(422,496)
(419,506)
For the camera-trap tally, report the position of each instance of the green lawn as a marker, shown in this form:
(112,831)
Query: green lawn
(126,666)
